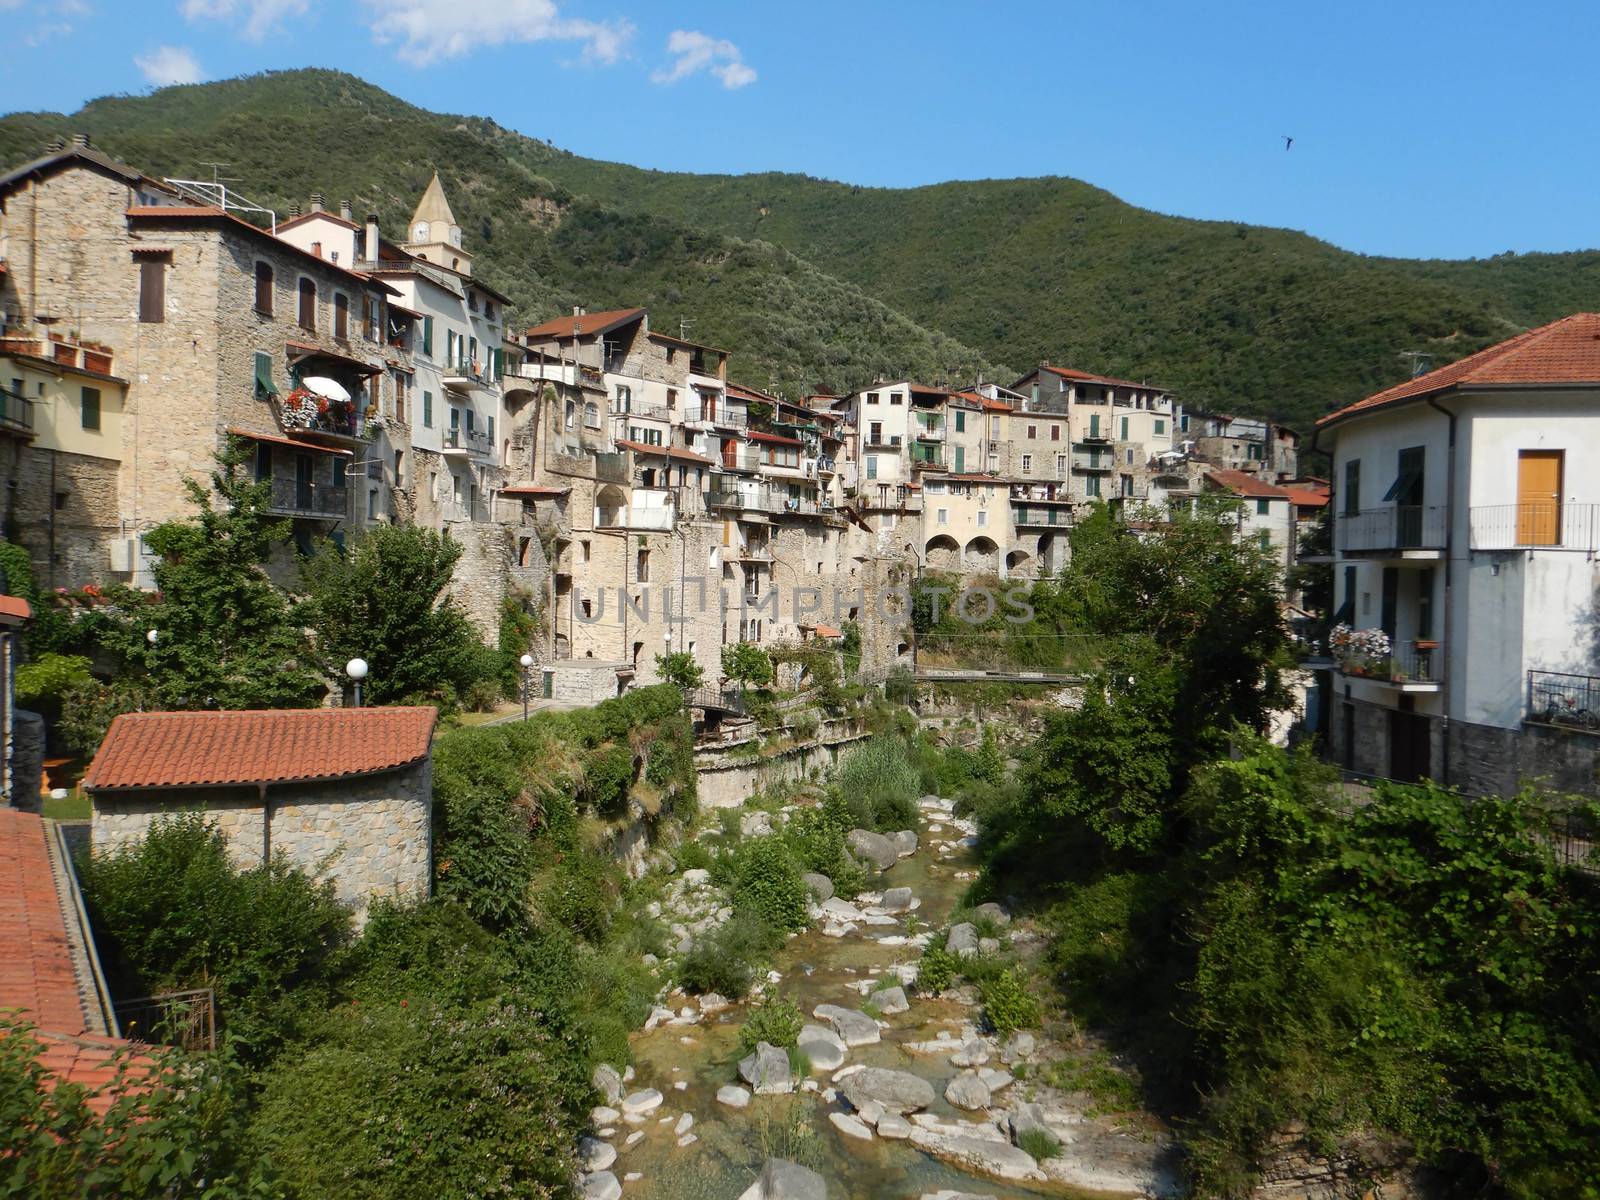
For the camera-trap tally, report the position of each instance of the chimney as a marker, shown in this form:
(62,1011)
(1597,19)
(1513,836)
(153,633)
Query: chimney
(372,237)
(316,202)
(294,210)
(57,144)
(346,212)
(579,311)
(80,141)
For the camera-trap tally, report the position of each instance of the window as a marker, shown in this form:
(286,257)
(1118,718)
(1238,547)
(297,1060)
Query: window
(872,397)
(585,548)
(372,504)
(1124,428)
(944,516)
(641,566)
(308,306)
(264,289)
(341,471)
(872,466)
(1027,462)
(1128,456)
(472,351)
(341,316)
(1055,433)
(369,322)
(1033,432)
(152,290)
(1061,466)
(427,337)
(491,430)
(961,422)
(672,398)
(1352,487)
(875,433)
(591,416)
(1161,428)
(263,462)
(400,397)
(896,397)
(983,517)
(624,398)
(91,408)
(1263,507)
(264,385)
(672,354)
(399,461)
(427,409)
(1092,487)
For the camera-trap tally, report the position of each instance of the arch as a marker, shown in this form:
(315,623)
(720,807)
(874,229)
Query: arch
(1019,562)
(942,553)
(981,554)
(610,507)
(1051,555)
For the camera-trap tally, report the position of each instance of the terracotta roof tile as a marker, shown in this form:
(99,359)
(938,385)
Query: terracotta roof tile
(14,606)
(1089,377)
(197,749)
(589,323)
(36,971)
(674,452)
(776,439)
(1563,352)
(1242,483)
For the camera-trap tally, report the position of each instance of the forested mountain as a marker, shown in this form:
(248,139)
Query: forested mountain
(821,284)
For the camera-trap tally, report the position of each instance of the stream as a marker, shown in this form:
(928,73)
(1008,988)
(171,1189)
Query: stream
(721,1153)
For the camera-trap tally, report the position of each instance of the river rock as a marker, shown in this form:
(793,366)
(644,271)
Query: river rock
(975,1147)
(781,1179)
(608,1082)
(685,1123)
(994,912)
(835,909)
(931,801)
(879,851)
(974,1052)
(995,1080)
(891,1000)
(1017,1047)
(894,1126)
(602,1185)
(821,886)
(947,1194)
(963,939)
(897,1091)
(636,1104)
(905,842)
(966,1090)
(825,1048)
(755,824)
(595,1155)
(733,1096)
(1026,1118)
(850,1126)
(987,946)
(766,1070)
(897,900)
(604,1115)
(712,1002)
(696,876)
(854,1027)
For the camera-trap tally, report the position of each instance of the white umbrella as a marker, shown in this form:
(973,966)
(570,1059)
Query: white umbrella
(331,389)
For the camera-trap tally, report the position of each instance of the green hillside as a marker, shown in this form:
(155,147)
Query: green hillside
(818,283)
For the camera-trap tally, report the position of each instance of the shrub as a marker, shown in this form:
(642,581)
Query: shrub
(937,971)
(607,774)
(774,1021)
(881,773)
(724,959)
(51,676)
(1040,1143)
(1007,1004)
(767,882)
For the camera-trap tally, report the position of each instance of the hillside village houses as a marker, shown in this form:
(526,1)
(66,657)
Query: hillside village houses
(613,475)
(1466,529)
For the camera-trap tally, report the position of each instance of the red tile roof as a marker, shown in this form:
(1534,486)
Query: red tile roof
(15,607)
(590,323)
(1242,483)
(664,451)
(1563,352)
(1303,497)
(776,439)
(199,749)
(36,972)
(1089,377)
(91,1061)
(533,489)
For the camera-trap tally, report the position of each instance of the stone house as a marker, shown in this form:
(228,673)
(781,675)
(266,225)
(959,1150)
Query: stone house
(344,793)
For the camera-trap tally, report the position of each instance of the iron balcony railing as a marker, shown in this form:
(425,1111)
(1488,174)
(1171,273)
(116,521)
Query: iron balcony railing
(1058,518)
(457,438)
(1410,662)
(1559,698)
(1534,526)
(1392,527)
(16,412)
(1093,462)
(303,497)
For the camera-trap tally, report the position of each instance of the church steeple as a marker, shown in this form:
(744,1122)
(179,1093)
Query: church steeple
(434,234)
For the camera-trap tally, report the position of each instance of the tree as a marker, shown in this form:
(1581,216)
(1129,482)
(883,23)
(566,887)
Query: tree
(386,599)
(680,669)
(227,638)
(746,663)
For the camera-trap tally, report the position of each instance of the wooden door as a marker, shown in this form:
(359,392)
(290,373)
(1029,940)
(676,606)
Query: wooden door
(1539,497)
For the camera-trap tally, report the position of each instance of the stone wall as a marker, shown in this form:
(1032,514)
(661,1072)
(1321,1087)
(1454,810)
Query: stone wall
(373,836)
(27,759)
(728,780)
(69,541)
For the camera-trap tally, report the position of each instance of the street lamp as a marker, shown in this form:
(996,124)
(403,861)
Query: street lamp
(152,636)
(527,661)
(356,668)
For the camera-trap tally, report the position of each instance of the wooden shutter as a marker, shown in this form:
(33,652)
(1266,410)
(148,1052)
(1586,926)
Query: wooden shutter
(152,290)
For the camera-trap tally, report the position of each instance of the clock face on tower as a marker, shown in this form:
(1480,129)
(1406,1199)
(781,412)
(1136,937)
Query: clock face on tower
(420,233)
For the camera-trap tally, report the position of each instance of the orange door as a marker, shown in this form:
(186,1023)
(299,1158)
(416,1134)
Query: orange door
(1539,497)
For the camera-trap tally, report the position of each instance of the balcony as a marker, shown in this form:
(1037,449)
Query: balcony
(305,498)
(467,377)
(753,553)
(1094,462)
(1535,527)
(467,441)
(463,511)
(1564,700)
(732,460)
(739,499)
(825,465)
(16,413)
(927,457)
(1042,518)
(1098,434)
(1397,530)
(1416,666)
(929,432)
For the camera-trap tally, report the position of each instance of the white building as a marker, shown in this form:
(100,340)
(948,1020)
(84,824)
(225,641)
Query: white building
(1467,523)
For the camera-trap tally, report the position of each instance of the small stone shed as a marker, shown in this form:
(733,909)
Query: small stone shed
(344,793)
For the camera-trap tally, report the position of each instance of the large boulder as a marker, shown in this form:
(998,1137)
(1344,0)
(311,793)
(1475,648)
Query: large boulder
(608,1082)
(766,1070)
(825,1048)
(733,1096)
(974,1052)
(820,885)
(963,939)
(755,824)
(994,912)
(638,1103)
(855,1028)
(891,1000)
(602,1185)
(897,1092)
(897,900)
(905,842)
(835,909)
(1024,1119)
(872,848)
(594,1154)
(781,1179)
(968,1091)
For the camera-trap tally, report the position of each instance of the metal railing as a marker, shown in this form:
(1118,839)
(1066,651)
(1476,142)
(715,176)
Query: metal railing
(1533,526)
(1393,527)
(1058,518)
(1560,698)
(185,1019)
(458,438)
(730,420)
(1418,662)
(741,462)
(1094,462)
(463,510)
(16,411)
(305,497)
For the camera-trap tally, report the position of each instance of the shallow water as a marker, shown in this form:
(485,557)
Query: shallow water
(733,1143)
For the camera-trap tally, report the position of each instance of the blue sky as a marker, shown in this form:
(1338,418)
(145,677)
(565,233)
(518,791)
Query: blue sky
(1422,129)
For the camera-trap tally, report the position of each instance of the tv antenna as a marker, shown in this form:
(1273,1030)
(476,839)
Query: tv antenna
(684,326)
(1420,361)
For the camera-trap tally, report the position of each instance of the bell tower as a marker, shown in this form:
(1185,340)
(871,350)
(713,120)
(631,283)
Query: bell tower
(433,234)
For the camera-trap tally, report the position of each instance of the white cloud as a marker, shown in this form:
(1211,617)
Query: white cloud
(41,20)
(427,31)
(698,52)
(260,17)
(168,65)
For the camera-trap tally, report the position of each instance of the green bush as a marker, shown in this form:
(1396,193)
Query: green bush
(937,970)
(1040,1143)
(724,960)
(607,775)
(767,883)
(880,775)
(50,677)
(774,1021)
(1007,1004)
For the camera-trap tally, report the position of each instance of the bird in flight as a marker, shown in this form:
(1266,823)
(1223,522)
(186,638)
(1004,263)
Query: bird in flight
(1287,141)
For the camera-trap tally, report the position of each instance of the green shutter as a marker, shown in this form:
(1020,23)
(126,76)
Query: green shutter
(427,336)
(264,384)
